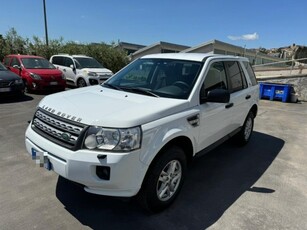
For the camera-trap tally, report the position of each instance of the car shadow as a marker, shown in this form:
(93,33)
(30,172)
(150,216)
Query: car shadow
(6,99)
(213,183)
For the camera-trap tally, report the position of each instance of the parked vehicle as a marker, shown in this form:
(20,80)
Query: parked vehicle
(36,72)
(135,134)
(81,70)
(10,83)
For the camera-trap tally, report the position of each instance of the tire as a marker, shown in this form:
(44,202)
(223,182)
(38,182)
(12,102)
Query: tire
(164,180)
(27,88)
(81,83)
(243,137)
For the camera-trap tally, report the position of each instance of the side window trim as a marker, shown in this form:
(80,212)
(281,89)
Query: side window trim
(243,76)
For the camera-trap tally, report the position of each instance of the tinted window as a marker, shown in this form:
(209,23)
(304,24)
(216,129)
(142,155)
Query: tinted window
(216,77)
(250,72)
(57,60)
(37,63)
(235,76)
(88,63)
(68,61)
(162,77)
(2,67)
(15,61)
(6,61)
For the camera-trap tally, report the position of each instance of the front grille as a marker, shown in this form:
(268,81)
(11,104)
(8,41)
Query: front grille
(62,131)
(6,83)
(104,76)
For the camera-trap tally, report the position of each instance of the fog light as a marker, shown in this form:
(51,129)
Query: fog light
(93,82)
(103,172)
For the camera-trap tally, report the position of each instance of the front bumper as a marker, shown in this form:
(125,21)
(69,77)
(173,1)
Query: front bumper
(47,85)
(126,169)
(96,81)
(12,89)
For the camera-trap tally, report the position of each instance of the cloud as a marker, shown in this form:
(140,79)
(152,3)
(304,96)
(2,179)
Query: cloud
(246,37)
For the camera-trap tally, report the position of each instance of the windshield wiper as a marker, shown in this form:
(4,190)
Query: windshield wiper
(140,90)
(112,86)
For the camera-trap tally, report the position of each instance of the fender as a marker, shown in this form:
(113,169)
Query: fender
(159,133)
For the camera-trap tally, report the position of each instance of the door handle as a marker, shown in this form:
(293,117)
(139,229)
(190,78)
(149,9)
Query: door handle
(248,97)
(228,105)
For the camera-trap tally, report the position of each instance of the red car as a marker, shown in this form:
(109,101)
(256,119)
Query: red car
(36,72)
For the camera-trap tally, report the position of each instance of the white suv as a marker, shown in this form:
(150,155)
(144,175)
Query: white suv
(136,133)
(81,70)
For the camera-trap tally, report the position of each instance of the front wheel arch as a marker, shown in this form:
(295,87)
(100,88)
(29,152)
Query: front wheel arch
(148,196)
(81,79)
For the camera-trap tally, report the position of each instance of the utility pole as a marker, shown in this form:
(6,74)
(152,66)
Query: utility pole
(45,17)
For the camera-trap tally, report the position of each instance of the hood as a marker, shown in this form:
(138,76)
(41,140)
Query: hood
(46,72)
(6,75)
(96,105)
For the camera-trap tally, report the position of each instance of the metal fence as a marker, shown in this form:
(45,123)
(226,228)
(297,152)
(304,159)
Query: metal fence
(282,68)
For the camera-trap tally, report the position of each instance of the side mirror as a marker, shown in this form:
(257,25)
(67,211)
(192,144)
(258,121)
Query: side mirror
(216,95)
(72,67)
(17,67)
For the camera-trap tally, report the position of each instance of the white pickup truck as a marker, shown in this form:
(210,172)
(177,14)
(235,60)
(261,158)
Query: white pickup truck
(135,134)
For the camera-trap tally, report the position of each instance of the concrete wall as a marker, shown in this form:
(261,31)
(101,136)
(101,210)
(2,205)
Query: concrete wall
(299,84)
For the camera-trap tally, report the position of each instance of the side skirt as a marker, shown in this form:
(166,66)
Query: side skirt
(217,143)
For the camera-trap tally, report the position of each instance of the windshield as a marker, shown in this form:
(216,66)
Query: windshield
(2,67)
(158,77)
(87,63)
(36,63)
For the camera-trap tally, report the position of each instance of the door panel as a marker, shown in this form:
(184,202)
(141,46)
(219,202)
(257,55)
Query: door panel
(214,123)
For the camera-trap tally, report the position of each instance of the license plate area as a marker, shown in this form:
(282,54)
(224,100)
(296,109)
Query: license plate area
(41,159)
(5,90)
(53,83)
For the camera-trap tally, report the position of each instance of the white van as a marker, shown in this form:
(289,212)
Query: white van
(81,70)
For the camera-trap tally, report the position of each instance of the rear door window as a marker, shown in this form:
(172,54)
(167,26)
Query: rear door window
(250,72)
(236,78)
(6,61)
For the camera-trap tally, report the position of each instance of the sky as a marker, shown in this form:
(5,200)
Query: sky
(246,23)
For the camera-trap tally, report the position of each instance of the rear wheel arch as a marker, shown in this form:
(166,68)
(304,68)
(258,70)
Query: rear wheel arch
(254,110)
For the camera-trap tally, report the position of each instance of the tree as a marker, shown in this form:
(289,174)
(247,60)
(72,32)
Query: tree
(12,43)
(113,59)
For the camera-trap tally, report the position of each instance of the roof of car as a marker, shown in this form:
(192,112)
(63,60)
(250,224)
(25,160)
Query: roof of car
(24,56)
(75,55)
(190,56)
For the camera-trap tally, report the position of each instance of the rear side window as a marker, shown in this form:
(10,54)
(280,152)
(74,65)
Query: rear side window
(15,61)
(6,61)
(236,78)
(250,72)
(57,60)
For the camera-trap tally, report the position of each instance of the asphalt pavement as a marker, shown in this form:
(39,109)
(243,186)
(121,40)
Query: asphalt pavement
(262,185)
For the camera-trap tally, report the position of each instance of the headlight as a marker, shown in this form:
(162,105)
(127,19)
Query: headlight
(113,139)
(18,81)
(92,74)
(35,76)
